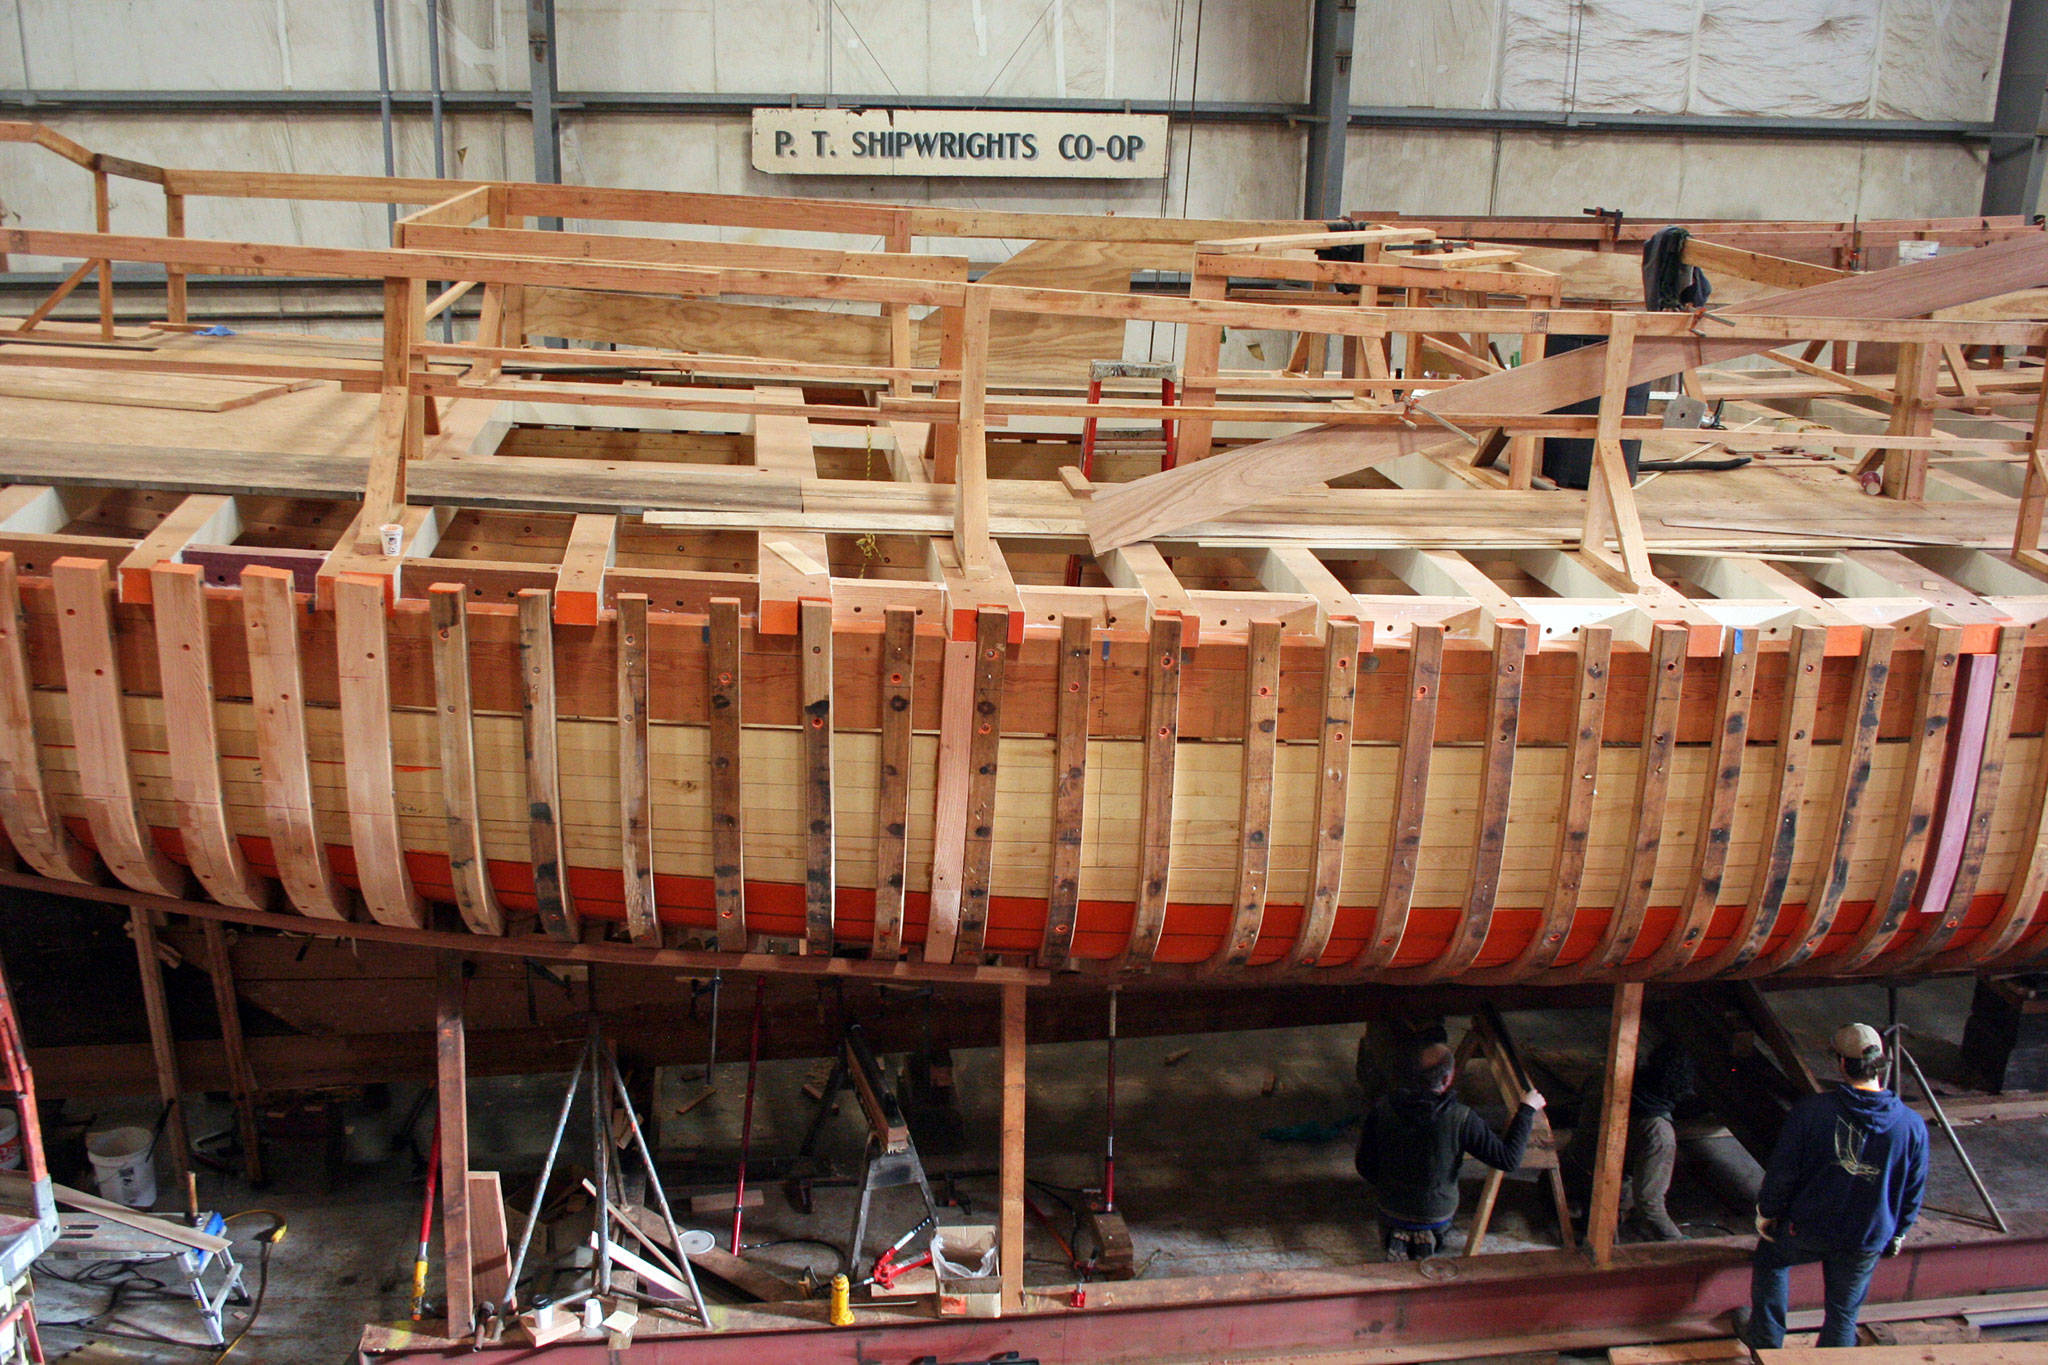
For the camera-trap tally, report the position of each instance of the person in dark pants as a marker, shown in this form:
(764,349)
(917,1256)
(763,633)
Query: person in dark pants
(1843,1187)
(1412,1143)
(1664,1080)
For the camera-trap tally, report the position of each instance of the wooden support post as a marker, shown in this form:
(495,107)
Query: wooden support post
(902,340)
(1609,1162)
(401,417)
(174,276)
(1919,367)
(102,223)
(241,1080)
(467,867)
(636,798)
(1201,354)
(1610,499)
(2033,501)
(1070,791)
(892,796)
(945,436)
(163,1045)
(970,492)
(728,832)
(1010,1256)
(452,1092)
(543,768)
(949,808)
(579,584)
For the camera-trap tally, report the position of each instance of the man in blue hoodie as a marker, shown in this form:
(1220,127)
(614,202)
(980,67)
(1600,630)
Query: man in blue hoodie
(1842,1188)
(1412,1143)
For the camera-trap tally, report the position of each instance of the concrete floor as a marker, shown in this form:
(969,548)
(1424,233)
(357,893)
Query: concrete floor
(1204,1188)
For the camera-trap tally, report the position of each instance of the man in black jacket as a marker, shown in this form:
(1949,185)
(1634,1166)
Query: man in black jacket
(1412,1143)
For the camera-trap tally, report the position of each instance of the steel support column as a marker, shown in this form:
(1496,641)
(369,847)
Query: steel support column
(540,73)
(1329,97)
(2012,178)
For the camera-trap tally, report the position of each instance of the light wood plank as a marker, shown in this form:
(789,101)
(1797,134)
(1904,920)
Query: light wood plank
(363,657)
(1255,794)
(551,894)
(728,815)
(270,620)
(814,643)
(92,677)
(1411,791)
(1575,805)
(1155,799)
(185,668)
(991,634)
(579,584)
(636,799)
(949,812)
(898,677)
(1070,790)
(1333,787)
(456,727)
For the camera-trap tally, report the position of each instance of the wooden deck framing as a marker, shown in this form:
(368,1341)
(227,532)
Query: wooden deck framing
(789,637)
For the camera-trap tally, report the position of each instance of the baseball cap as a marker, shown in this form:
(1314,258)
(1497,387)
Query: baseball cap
(1858,1041)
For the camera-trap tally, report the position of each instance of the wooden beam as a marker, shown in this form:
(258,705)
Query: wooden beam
(1141,568)
(1334,739)
(1918,370)
(192,737)
(1255,794)
(1010,1222)
(1624,1029)
(1580,780)
(1155,796)
(163,1044)
(970,507)
(984,752)
(1646,815)
(1849,810)
(1801,693)
(363,665)
(1927,751)
(1716,821)
(636,797)
(898,678)
(1490,825)
(270,620)
(33,825)
(579,584)
(227,1007)
(1070,789)
(99,729)
(551,893)
(723,690)
(821,873)
(2011,918)
(1411,795)
(1610,500)
(467,866)
(949,809)
(201,519)
(452,1098)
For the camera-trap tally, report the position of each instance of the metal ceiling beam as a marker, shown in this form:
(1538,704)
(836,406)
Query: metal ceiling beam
(49,104)
(2012,177)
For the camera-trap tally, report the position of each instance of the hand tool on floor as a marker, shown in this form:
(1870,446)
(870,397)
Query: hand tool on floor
(419,1265)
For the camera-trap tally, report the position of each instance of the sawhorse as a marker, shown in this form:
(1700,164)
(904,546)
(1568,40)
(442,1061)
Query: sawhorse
(1489,1037)
(891,1157)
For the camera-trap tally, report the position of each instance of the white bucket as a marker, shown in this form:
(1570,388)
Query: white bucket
(122,1165)
(10,1140)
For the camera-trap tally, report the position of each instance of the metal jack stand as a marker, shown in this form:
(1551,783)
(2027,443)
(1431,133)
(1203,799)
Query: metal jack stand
(892,1160)
(1115,1256)
(605,1077)
(1895,1047)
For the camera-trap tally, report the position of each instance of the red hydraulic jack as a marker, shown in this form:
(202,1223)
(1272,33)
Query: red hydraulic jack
(1168,375)
(1115,1258)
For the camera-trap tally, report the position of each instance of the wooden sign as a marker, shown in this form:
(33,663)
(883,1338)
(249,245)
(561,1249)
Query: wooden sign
(982,143)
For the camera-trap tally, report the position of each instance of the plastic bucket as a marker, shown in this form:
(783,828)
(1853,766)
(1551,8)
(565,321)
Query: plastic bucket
(10,1140)
(122,1165)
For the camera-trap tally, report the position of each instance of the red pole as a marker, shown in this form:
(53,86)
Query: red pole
(419,1265)
(739,1192)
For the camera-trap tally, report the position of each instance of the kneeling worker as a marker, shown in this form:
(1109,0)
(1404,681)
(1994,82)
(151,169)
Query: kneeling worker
(1412,1143)
(1842,1188)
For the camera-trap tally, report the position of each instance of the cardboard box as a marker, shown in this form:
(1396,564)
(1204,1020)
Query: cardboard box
(968,1296)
